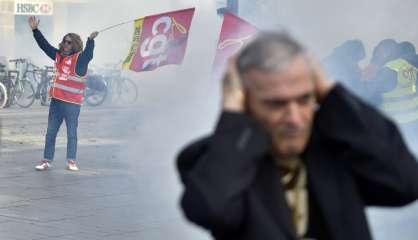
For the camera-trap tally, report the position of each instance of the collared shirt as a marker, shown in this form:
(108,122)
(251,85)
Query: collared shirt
(294,181)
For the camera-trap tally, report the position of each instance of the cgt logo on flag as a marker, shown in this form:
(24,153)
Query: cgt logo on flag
(159,40)
(235,33)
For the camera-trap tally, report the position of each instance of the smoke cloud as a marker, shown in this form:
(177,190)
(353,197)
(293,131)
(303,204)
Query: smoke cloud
(179,103)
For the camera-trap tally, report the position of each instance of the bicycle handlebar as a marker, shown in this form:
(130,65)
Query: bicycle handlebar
(22,60)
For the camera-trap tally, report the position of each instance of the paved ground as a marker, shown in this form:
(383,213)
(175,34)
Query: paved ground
(127,187)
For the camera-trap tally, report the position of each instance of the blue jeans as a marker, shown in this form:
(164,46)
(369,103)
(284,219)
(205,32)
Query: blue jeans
(58,112)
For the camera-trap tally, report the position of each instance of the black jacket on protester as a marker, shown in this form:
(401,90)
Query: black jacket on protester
(355,158)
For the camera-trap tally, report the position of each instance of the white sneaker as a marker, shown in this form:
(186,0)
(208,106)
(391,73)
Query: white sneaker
(44,165)
(72,166)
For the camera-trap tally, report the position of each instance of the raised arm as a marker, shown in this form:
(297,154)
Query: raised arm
(369,144)
(217,172)
(40,39)
(86,56)
(373,149)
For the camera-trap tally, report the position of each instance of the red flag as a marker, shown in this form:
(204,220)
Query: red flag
(235,33)
(159,40)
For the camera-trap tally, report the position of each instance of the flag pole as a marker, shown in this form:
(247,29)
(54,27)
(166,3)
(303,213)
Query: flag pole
(116,25)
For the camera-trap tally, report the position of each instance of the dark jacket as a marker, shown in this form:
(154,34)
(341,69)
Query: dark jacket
(83,60)
(355,158)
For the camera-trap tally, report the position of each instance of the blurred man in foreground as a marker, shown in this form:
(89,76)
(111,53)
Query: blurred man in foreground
(293,155)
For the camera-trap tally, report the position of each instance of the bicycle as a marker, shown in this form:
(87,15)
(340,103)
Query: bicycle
(96,90)
(122,89)
(42,90)
(21,90)
(3,90)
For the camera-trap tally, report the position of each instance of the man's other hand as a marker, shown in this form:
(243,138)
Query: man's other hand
(322,84)
(233,98)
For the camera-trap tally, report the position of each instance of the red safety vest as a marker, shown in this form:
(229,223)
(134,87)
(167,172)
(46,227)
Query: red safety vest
(67,86)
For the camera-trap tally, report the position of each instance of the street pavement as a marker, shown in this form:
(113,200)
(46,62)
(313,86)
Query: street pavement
(127,187)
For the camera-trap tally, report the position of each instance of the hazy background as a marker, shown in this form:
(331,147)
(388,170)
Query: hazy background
(182,102)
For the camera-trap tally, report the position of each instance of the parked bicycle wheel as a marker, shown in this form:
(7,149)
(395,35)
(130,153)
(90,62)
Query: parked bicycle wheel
(44,92)
(24,93)
(10,92)
(96,91)
(3,95)
(126,91)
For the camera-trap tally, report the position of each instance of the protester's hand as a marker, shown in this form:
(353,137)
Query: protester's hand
(322,84)
(93,35)
(33,22)
(233,98)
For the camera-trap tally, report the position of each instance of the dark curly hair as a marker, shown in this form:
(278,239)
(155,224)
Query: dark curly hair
(77,43)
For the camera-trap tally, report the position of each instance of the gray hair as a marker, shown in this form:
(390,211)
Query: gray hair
(269,51)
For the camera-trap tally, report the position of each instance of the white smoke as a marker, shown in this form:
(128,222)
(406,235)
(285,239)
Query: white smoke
(179,103)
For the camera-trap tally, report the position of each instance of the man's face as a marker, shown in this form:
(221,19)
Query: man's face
(68,44)
(284,103)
